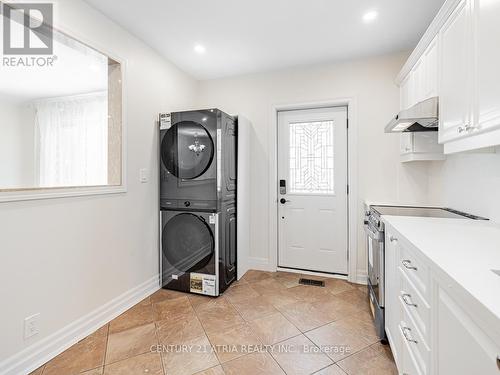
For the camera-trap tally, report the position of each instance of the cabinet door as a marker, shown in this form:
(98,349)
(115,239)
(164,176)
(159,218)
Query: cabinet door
(403,94)
(487,31)
(431,67)
(406,143)
(418,74)
(409,363)
(462,347)
(455,78)
(426,143)
(392,310)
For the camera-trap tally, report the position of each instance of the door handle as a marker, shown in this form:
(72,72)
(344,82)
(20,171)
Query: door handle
(283,201)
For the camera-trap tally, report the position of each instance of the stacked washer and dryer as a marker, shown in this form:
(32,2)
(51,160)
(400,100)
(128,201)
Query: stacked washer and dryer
(198,178)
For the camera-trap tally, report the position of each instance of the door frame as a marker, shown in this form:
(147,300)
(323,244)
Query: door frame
(352,206)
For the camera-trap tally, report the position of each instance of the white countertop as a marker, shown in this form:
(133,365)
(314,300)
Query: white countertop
(466,250)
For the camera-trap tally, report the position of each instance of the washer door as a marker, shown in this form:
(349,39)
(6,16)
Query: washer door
(187,242)
(187,150)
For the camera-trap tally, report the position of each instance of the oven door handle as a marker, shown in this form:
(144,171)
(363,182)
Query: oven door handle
(374,235)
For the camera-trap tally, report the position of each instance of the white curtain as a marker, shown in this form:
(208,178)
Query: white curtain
(73,140)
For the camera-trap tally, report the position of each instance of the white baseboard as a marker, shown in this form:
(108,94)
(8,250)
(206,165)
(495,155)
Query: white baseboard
(260,264)
(362,277)
(44,350)
(312,273)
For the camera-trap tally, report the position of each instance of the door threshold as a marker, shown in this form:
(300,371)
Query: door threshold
(313,273)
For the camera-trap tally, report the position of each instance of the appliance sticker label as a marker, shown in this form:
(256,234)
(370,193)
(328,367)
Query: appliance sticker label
(211,219)
(203,284)
(165,121)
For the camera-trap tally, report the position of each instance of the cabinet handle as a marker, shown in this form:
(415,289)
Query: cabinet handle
(469,128)
(407,300)
(407,264)
(393,239)
(466,128)
(406,331)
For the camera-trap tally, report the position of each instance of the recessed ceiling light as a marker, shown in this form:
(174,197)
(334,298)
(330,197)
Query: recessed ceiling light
(370,16)
(199,48)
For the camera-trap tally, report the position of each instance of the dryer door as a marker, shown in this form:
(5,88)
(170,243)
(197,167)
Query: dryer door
(188,245)
(187,150)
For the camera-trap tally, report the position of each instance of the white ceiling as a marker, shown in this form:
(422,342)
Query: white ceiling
(244,36)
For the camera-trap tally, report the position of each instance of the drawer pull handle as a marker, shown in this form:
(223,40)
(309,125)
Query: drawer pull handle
(407,336)
(407,300)
(393,239)
(407,264)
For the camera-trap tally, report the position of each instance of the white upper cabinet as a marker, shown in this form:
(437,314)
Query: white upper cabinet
(420,146)
(487,42)
(458,59)
(421,83)
(404,93)
(417,84)
(455,68)
(431,71)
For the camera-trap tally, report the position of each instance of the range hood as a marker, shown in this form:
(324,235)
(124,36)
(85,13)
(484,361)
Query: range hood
(423,116)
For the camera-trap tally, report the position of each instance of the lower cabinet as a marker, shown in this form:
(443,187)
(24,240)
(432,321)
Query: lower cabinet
(428,330)
(392,312)
(462,347)
(408,363)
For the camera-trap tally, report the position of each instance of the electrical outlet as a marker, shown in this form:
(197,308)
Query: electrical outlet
(144,175)
(31,326)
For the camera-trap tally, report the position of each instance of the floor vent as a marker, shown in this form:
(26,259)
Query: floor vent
(312,282)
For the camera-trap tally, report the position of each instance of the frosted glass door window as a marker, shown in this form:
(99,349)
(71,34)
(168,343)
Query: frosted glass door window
(312,157)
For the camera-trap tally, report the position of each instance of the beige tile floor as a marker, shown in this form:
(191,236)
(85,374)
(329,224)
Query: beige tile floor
(264,324)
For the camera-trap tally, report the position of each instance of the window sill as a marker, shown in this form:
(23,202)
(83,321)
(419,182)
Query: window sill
(54,193)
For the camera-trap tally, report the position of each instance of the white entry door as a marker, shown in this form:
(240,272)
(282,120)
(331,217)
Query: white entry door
(312,189)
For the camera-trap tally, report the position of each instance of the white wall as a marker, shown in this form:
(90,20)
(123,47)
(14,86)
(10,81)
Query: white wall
(17,140)
(381,176)
(63,258)
(469,182)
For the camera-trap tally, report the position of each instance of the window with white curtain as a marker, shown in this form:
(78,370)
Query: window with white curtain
(72,140)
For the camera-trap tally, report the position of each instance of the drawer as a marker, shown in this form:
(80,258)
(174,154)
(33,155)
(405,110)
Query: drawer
(417,346)
(408,362)
(416,305)
(415,269)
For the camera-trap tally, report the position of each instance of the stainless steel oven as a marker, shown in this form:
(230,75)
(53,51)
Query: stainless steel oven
(376,271)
